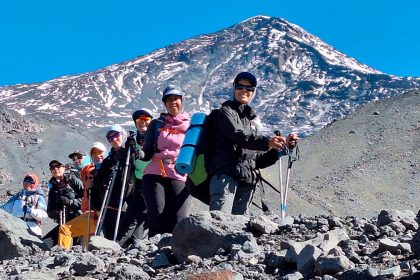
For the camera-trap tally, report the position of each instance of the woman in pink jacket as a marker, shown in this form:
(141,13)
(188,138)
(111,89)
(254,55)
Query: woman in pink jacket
(165,194)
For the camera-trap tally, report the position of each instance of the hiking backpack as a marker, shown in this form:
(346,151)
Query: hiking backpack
(191,158)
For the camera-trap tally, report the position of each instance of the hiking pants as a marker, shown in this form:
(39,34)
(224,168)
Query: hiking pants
(167,200)
(229,195)
(109,222)
(77,227)
(135,219)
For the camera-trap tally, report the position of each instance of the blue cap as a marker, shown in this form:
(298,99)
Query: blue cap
(246,76)
(172,90)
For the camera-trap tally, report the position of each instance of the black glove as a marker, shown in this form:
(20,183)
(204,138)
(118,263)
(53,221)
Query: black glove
(130,143)
(65,201)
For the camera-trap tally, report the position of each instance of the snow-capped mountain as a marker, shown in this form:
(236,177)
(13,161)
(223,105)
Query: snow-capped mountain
(304,83)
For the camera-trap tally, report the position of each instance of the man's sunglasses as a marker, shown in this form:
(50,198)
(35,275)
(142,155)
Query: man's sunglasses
(143,119)
(76,157)
(55,167)
(111,137)
(246,87)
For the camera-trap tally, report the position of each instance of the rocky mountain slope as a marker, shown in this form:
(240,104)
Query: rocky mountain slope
(359,165)
(304,83)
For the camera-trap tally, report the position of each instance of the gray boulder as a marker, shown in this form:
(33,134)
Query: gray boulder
(88,264)
(37,275)
(306,259)
(263,224)
(394,247)
(362,272)
(388,216)
(101,243)
(292,276)
(204,233)
(15,240)
(333,264)
(129,271)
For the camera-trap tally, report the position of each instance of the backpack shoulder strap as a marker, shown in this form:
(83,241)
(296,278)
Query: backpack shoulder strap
(159,124)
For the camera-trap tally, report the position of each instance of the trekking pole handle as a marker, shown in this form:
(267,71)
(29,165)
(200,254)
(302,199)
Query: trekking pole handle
(277,133)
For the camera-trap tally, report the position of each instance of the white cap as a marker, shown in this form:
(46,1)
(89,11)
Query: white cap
(99,146)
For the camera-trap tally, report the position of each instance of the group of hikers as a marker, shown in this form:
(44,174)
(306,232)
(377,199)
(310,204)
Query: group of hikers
(134,188)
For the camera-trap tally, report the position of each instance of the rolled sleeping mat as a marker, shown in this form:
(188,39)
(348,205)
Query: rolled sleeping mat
(192,136)
(197,118)
(185,162)
(186,158)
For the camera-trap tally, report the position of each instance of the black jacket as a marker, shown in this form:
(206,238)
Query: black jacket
(73,190)
(235,147)
(114,161)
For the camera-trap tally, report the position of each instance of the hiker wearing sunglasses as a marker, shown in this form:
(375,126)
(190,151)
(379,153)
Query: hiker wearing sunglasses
(115,162)
(135,220)
(236,150)
(165,194)
(29,204)
(66,191)
(79,160)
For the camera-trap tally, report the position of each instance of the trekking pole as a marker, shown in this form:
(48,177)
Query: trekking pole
(24,212)
(289,168)
(64,214)
(107,197)
(282,189)
(89,217)
(127,162)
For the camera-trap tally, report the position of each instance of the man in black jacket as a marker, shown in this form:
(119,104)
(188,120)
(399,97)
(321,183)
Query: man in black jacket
(66,192)
(236,150)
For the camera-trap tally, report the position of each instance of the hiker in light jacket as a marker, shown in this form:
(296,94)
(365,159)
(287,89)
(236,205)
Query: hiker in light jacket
(135,219)
(164,190)
(237,150)
(29,204)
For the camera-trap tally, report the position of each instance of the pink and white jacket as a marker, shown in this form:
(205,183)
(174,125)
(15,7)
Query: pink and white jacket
(164,152)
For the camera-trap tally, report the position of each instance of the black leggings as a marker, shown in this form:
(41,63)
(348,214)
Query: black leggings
(135,219)
(167,200)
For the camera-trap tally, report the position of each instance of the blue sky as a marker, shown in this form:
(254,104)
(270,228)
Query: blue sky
(42,40)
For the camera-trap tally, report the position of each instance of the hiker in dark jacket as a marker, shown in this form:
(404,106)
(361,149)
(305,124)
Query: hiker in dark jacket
(164,190)
(236,150)
(114,162)
(66,192)
(135,220)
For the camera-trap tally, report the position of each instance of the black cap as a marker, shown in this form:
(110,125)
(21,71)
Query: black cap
(141,112)
(55,163)
(246,76)
(76,153)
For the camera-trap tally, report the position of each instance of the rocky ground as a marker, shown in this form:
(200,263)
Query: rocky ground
(213,245)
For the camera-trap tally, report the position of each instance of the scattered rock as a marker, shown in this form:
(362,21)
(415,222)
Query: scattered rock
(15,240)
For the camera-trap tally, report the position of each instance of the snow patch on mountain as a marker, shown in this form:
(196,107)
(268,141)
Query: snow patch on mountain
(304,83)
